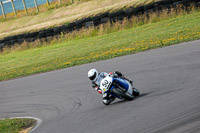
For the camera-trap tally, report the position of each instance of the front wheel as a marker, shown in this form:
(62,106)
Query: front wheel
(136,92)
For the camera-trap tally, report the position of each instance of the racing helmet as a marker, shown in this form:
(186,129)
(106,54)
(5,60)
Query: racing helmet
(92,74)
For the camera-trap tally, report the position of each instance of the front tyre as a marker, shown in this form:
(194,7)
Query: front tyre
(136,92)
(105,102)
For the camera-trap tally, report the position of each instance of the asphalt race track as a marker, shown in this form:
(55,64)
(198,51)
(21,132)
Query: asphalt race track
(168,79)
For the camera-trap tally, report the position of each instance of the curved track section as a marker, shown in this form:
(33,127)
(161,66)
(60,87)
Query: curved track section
(168,79)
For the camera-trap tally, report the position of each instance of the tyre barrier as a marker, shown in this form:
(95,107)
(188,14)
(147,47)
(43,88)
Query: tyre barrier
(88,24)
(128,12)
(95,21)
(104,20)
(138,10)
(149,6)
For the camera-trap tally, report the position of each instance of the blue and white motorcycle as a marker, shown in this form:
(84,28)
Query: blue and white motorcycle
(118,87)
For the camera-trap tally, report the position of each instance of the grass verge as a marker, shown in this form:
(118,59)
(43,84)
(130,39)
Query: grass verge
(16,125)
(99,44)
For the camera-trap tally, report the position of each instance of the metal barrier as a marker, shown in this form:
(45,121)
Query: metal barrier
(9,6)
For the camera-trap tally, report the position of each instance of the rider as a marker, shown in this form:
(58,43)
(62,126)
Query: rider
(94,76)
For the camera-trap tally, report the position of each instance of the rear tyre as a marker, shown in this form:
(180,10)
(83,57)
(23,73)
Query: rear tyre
(136,92)
(122,94)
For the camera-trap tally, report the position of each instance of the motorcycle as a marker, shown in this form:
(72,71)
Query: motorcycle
(118,87)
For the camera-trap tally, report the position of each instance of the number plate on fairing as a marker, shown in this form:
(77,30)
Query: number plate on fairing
(106,83)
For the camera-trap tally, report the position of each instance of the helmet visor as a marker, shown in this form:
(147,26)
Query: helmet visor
(93,77)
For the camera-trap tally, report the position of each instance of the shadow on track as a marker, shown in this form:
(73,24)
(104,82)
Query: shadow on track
(124,100)
(142,95)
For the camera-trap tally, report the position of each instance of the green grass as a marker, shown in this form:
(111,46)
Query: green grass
(15,125)
(90,48)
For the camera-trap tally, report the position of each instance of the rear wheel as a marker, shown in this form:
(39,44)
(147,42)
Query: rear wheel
(136,92)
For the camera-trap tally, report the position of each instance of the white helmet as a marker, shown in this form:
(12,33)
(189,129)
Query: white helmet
(92,74)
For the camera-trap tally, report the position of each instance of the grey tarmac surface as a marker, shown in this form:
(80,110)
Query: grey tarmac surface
(168,79)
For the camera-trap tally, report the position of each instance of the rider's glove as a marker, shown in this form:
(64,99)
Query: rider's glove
(99,90)
(96,88)
(94,84)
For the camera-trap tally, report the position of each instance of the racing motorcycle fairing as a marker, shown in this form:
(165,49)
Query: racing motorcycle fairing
(124,84)
(109,82)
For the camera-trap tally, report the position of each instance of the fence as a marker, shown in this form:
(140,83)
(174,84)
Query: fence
(9,6)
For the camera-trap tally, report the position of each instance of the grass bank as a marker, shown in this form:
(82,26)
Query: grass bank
(103,43)
(56,15)
(16,125)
